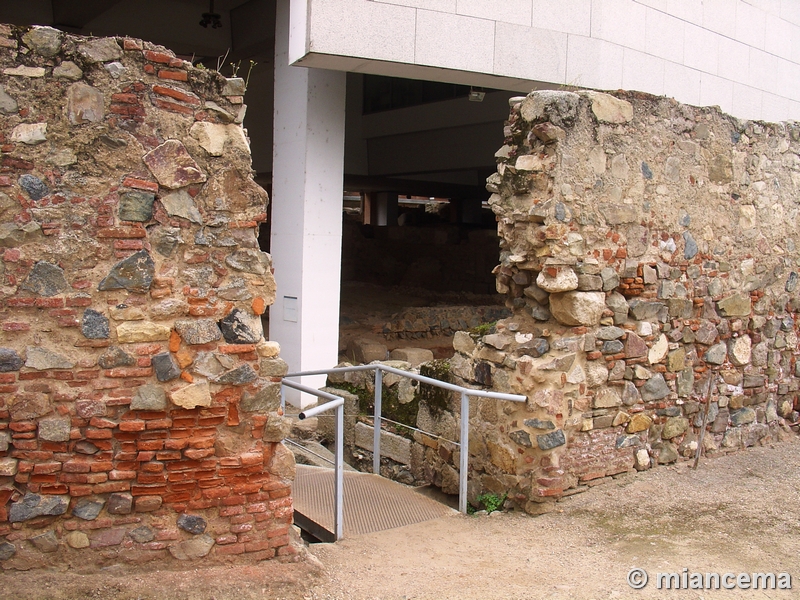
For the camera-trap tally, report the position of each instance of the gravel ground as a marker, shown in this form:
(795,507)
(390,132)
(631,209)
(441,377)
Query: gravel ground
(736,514)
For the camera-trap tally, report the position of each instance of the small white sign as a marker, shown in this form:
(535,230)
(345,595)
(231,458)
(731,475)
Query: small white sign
(290,308)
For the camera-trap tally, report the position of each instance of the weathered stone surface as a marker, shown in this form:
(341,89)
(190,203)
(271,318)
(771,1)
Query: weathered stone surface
(548,441)
(676,360)
(120,503)
(7,550)
(46,279)
(607,398)
(267,399)
(564,280)
(142,331)
(277,428)
(241,375)
(23,71)
(5,438)
(740,350)
(149,397)
(45,41)
(42,359)
(608,109)
(100,50)
(658,351)
(198,331)
(88,509)
(142,534)
(95,325)
(68,70)
(283,465)
(105,538)
(45,542)
(55,429)
(249,260)
(165,240)
(612,347)
(521,438)
(9,360)
(635,347)
(630,394)
(536,347)
(192,523)
(393,446)
(716,354)
(577,308)
(667,454)
(720,169)
(609,333)
(134,274)
(655,388)
(560,108)
(8,467)
(193,548)
(414,356)
(77,540)
(706,333)
(172,165)
(8,106)
(685,382)
(735,305)
(192,396)
(364,351)
(743,416)
(29,133)
(236,328)
(85,104)
(181,204)
(674,426)
(35,505)
(165,367)
(136,206)
(115,356)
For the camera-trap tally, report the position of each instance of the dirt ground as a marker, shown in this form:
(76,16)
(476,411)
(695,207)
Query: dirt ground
(739,514)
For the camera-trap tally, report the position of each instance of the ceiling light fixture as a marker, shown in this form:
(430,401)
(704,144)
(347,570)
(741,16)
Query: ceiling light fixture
(211,18)
(476,95)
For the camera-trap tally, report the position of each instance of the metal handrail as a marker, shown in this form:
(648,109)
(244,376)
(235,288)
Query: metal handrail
(337,403)
(463,442)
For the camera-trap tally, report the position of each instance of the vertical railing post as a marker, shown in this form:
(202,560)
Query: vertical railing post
(464,456)
(339,472)
(376,423)
(283,399)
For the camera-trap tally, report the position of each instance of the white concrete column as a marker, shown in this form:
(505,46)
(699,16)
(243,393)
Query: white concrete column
(306,239)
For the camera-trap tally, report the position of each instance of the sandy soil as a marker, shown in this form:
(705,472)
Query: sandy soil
(739,514)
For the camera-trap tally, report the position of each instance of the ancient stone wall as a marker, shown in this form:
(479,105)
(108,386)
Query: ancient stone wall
(137,392)
(646,247)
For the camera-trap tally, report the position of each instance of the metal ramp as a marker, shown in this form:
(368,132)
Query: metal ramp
(371,503)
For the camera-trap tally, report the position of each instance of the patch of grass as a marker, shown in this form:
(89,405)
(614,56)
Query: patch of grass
(483,329)
(437,399)
(489,502)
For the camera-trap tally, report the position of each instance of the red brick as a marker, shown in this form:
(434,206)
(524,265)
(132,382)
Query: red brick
(131,44)
(98,434)
(15,326)
(157,57)
(112,486)
(187,97)
(46,468)
(172,106)
(125,98)
(135,425)
(117,475)
(230,549)
(102,423)
(172,74)
(122,372)
(140,184)
(20,302)
(121,232)
(236,348)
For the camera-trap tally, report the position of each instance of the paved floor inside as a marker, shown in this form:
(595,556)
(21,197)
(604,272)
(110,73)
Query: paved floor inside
(371,503)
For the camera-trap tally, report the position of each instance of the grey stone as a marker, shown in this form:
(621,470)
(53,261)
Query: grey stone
(165,240)
(34,505)
(560,108)
(7,550)
(791,282)
(181,204)
(115,68)
(120,503)
(590,283)
(743,416)
(5,438)
(84,447)
(13,235)
(667,454)
(612,347)
(241,375)
(617,214)
(149,397)
(35,187)
(142,534)
(235,290)
(685,382)
(548,441)
(45,542)
(655,388)
(114,356)
(106,538)
(88,509)
(68,70)
(42,359)
(134,274)
(674,426)
(9,360)
(540,313)
(236,329)
(628,441)
(577,308)
(198,331)
(85,104)
(249,261)
(720,169)
(94,325)
(136,206)
(45,41)
(54,429)
(196,547)
(630,394)
(610,279)
(234,86)
(8,106)
(393,446)
(635,346)
(716,354)
(192,523)
(46,279)
(362,350)
(706,333)
(539,424)
(100,50)
(736,305)
(521,438)
(536,347)
(267,399)
(646,311)
(29,133)
(165,367)
(609,333)
(534,292)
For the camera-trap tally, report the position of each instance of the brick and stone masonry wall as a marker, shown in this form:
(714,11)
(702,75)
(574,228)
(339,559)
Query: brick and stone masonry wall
(138,397)
(645,247)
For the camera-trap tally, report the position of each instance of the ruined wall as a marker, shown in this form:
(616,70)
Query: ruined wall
(646,245)
(137,393)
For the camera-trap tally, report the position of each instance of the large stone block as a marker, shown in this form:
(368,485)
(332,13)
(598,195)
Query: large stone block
(392,445)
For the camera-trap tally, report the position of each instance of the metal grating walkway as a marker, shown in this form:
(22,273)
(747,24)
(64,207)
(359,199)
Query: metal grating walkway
(371,503)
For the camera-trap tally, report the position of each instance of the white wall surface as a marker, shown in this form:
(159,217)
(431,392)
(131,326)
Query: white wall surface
(742,55)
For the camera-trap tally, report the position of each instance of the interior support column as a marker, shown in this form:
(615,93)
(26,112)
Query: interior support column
(306,238)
